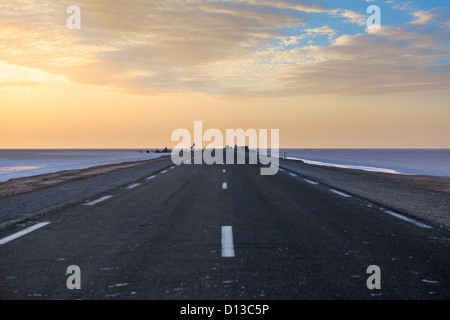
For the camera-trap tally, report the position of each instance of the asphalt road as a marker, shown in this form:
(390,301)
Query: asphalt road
(184,234)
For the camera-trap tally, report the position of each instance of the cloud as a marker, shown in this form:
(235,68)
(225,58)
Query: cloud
(422,17)
(402,5)
(216,47)
(438,16)
(373,64)
(351,16)
(324,30)
(280,4)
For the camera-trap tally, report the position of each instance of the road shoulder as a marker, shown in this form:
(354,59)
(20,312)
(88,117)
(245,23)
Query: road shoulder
(425,197)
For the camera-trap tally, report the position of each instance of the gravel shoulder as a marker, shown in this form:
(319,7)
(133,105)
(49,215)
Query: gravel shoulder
(19,186)
(424,197)
(25,198)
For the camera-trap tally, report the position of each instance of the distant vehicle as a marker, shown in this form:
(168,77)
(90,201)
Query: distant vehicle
(165,150)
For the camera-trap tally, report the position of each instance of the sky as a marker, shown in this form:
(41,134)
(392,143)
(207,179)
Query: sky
(137,70)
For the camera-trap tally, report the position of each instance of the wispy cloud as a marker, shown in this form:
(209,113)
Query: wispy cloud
(422,17)
(402,5)
(281,4)
(351,16)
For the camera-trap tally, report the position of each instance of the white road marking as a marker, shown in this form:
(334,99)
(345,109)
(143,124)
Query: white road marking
(164,171)
(173,167)
(97,201)
(118,285)
(224,186)
(152,177)
(311,182)
(430,281)
(292,174)
(134,186)
(224,170)
(280,169)
(23,232)
(401,217)
(341,193)
(227,242)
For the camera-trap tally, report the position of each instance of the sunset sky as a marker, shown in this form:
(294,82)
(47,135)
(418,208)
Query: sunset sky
(138,70)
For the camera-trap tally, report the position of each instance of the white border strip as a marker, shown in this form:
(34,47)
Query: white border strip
(414,222)
(97,201)
(23,232)
(341,193)
(134,186)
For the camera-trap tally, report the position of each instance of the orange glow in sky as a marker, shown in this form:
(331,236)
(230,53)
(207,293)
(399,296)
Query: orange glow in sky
(132,74)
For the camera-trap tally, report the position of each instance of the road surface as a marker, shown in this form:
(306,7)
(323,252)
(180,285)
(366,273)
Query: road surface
(224,232)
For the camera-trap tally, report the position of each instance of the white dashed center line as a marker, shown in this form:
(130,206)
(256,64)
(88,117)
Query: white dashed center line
(292,174)
(152,177)
(23,232)
(224,186)
(311,182)
(164,171)
(227,242)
